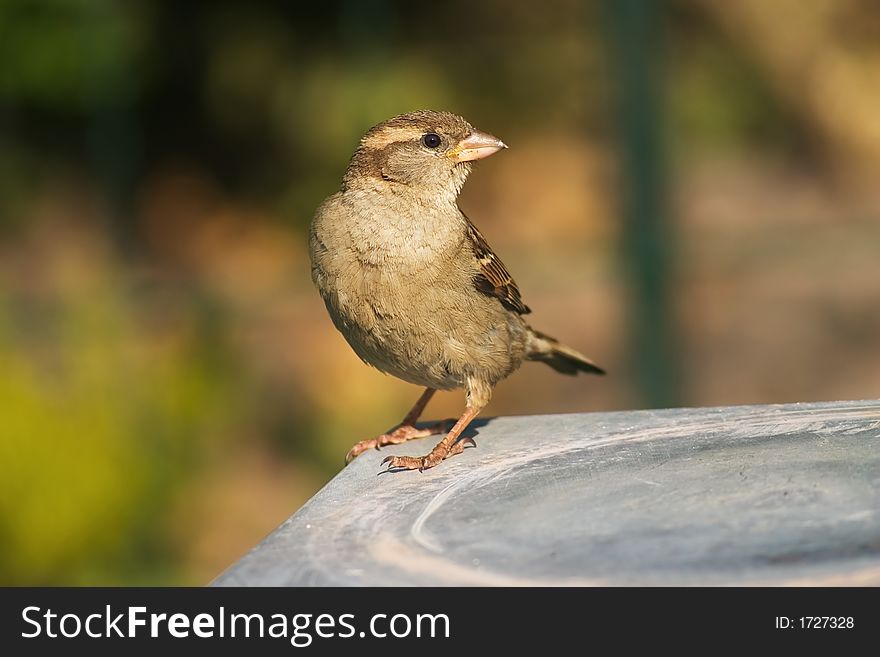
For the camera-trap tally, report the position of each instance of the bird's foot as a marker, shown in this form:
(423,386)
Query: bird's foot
(400,435)
(422,463)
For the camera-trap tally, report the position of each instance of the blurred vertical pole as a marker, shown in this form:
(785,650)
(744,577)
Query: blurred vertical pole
(635,36)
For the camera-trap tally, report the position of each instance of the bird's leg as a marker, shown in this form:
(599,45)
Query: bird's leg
(406,431)
(444,449)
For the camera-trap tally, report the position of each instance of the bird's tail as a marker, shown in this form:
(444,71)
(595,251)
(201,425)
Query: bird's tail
(561,358)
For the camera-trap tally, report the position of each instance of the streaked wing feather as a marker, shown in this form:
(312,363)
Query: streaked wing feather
(493,278)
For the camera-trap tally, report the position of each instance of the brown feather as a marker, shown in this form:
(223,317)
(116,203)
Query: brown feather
(493,278)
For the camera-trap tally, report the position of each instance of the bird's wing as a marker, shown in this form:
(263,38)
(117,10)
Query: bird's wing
(493,278)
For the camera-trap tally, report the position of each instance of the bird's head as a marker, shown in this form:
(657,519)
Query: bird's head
(429,151)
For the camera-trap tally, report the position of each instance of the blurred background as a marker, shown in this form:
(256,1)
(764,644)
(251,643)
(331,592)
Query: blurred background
(690,197)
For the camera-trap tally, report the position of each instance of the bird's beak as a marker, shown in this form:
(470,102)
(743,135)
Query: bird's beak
(475,146)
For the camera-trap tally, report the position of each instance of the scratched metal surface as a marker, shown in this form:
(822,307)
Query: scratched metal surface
(758,495)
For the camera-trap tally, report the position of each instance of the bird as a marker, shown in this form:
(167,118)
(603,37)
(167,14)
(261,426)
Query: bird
(413,285)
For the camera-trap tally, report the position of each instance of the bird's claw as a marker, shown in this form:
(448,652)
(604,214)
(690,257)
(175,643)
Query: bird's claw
(422,463)
(461,445)
(400,435)
(405,463)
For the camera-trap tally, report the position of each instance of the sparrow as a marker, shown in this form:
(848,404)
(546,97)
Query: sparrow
(412,284)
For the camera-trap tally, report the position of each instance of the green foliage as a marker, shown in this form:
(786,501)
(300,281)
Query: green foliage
(66,53)
(101,423)
(719,101)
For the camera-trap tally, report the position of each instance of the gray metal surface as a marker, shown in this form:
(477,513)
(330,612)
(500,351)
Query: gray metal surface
(757,495)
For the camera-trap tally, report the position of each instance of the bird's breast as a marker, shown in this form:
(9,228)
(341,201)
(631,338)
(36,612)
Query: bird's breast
(401,292)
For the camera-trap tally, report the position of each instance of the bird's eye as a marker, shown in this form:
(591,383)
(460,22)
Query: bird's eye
(431,140)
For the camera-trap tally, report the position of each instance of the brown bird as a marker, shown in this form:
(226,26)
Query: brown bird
(412,284)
